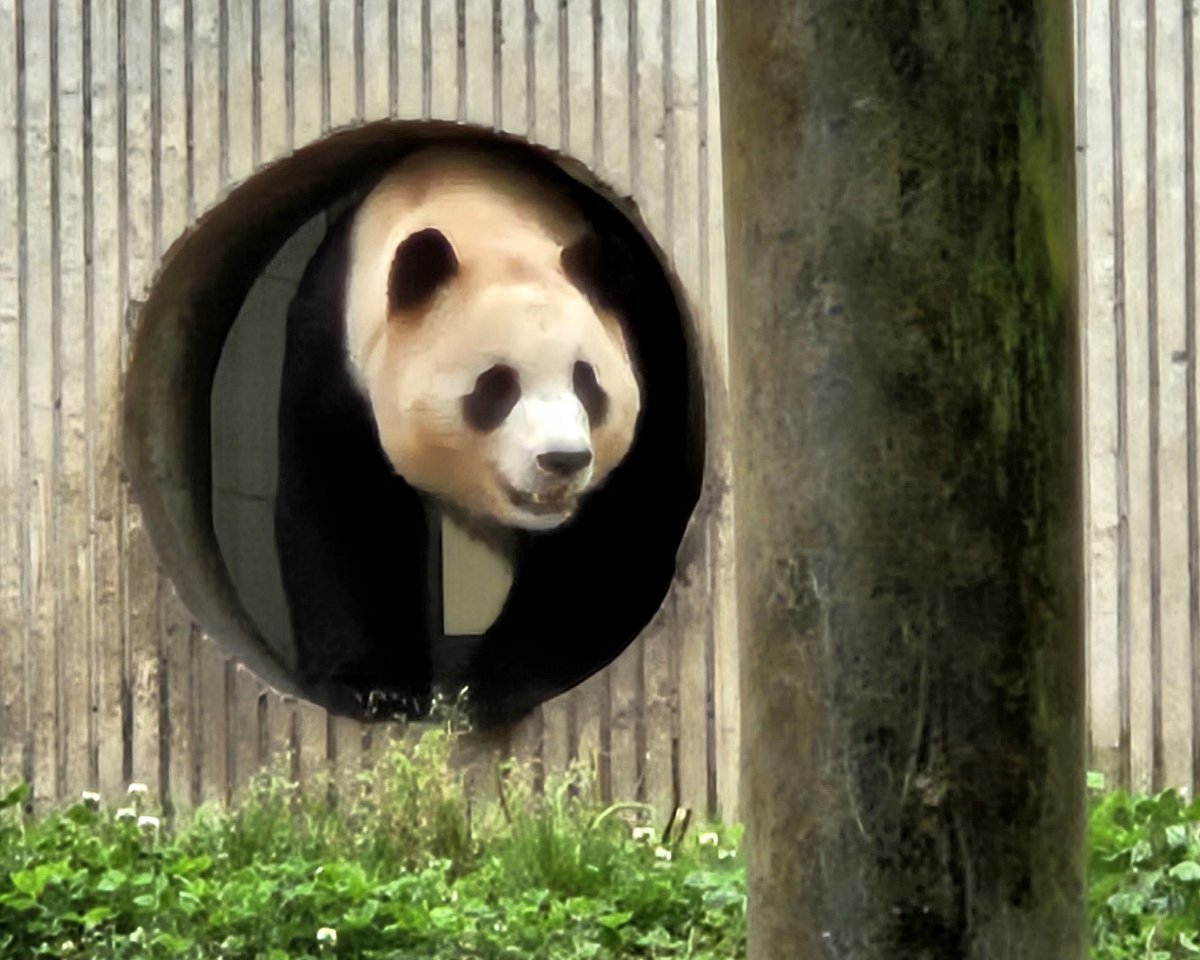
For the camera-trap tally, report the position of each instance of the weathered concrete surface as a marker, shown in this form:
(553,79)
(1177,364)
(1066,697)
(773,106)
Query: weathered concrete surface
(898,192)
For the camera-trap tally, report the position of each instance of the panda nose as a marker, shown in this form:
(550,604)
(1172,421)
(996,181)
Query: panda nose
(564,463)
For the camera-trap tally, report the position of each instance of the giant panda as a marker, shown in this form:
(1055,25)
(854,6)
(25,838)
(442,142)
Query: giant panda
(482,336)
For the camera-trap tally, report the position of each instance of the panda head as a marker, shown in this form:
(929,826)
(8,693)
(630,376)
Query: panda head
(499,380)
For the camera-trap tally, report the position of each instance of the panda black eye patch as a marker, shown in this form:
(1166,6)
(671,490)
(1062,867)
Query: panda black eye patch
(496,392)
(590,393)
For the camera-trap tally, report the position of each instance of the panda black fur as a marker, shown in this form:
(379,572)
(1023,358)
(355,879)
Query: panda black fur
(352,534)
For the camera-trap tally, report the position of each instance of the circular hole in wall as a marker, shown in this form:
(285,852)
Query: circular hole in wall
(519,622)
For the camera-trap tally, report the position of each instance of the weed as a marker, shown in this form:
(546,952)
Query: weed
(1144,876)
(401,867)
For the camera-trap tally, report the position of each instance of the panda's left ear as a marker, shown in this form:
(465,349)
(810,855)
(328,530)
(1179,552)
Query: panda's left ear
(423,264)
(600,270)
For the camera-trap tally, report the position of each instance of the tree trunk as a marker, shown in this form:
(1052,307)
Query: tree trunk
(907,478)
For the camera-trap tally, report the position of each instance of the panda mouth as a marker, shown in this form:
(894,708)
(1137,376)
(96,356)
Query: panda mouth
(556,502)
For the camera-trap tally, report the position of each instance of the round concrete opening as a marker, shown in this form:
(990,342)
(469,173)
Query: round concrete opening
(202,401)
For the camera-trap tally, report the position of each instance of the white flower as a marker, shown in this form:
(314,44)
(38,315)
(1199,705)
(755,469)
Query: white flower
(67,946)
(662,853)
(725,855)
(138,790)
(91,799)
(643,834)
(126,813)
(327,935)
(708,839)
(148,823)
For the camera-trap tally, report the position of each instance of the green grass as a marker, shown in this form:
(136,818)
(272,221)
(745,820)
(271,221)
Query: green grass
(403,868)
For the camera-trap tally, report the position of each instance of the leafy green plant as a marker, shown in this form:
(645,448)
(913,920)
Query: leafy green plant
(1144,876)
(404,867)
(401,867)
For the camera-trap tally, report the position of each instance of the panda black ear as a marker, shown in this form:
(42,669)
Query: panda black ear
(423,263)
(599,270)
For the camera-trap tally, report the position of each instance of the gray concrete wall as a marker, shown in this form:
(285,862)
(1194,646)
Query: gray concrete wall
(109,153)
(1137,138)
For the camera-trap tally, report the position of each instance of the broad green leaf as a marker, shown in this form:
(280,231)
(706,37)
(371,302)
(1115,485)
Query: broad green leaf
(361,916)
(1128,903)
(29,882)
(17,901)
(720,898)
(112,880)
(14,796)
(81,815)
(97,915)
(189,866)
(172,942)
(1188,871)
(443,918)
(33,881)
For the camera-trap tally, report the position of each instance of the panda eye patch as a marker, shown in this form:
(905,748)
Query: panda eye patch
(496,392)
(590,393)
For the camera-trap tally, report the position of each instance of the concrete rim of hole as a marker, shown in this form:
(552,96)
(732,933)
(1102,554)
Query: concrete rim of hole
(180,330)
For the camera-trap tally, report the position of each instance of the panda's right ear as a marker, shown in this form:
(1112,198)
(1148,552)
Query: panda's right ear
(602,270)
(423,263)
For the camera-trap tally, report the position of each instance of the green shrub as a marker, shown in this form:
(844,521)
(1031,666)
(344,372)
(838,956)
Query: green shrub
(402,867)
(1144,876)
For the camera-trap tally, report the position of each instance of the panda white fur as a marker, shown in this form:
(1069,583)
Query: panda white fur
(465,337)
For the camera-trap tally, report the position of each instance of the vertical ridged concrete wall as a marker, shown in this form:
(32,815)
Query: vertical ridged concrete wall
(121,123)
(1137,128)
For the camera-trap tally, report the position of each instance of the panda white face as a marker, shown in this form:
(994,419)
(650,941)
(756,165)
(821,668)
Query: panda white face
(497,385)
(539,415)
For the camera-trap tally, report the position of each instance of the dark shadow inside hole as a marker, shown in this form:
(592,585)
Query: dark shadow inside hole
(578,597)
